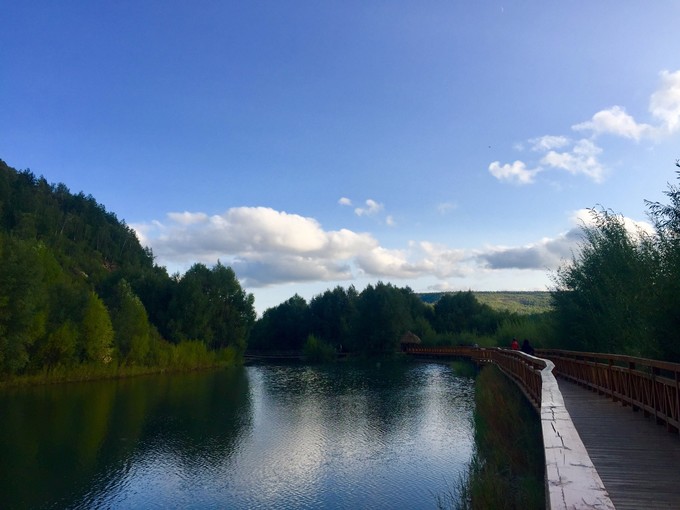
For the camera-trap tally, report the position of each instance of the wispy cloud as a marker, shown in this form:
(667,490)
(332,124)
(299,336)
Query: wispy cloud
(446,207)
(372,207)
(581,157)
(345,201)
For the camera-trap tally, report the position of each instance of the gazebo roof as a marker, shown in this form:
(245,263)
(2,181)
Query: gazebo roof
(410,338)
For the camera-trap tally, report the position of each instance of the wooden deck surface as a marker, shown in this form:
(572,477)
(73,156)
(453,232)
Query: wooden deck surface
(638,460)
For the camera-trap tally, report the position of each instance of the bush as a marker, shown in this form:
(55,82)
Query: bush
(318,351)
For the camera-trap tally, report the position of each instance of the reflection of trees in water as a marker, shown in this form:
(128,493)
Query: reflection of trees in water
(368,394)
(56,442)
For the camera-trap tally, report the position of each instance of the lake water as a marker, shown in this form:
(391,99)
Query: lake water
(350,435)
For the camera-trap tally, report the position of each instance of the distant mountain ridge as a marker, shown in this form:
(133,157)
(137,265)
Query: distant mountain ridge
(521,302)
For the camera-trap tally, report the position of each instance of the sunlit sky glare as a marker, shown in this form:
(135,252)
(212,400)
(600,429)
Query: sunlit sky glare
(443,145)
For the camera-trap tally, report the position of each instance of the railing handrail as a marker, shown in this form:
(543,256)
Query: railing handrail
(622,358)
(571,478)
(649,385)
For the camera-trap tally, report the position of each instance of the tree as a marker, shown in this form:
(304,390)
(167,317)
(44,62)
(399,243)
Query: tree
(384,316)
(666,284)
(333,315)
(96,331)
(284,327)
(209,305)
(23,306)
(602,297)
(130,325)
(461,311)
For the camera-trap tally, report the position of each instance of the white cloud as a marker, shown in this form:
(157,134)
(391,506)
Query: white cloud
(584,217)
(268,247)
(390,221)
(664,105)
(516,172)
(187,218)
(345,201)
(665,102)
(583,156)
(582,159)
(548,142)
(372,207)
(617,122)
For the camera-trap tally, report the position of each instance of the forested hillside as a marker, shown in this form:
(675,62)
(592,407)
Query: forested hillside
(520,302)
(77,288)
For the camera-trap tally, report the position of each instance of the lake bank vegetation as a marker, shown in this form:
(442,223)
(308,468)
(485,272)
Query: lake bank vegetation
(507,468)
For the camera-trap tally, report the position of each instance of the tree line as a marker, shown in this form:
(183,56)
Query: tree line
(77,287)
(374,320)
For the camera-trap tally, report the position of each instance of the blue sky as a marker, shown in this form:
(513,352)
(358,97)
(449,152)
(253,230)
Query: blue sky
(440,145)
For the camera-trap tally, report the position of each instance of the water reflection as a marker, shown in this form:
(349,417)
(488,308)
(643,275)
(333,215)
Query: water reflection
(67,445)
(386,435)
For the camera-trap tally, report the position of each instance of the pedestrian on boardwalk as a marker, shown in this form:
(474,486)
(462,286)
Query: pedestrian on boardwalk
(526,347)
(514,345)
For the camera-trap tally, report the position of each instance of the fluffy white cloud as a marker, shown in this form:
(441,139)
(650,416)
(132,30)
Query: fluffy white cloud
(585,217)
(516,172)
(345,201)
(664,105)
(665,102)
(581,159)
(268,247)
(617,122)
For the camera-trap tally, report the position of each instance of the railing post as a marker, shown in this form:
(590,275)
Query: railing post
(629,376)
(677,398)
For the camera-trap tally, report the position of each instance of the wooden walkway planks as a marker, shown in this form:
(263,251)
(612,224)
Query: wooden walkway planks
(638,460)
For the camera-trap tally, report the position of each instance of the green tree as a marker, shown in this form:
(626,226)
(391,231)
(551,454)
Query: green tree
(209,305)
(283,327)
(96,331)
(461,311)
(130,325)
(384,316)
(602,297)
(333,315)
(666,283)
(23,303)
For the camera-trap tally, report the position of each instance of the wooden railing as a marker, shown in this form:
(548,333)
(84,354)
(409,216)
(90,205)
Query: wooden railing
(570,476)
(644,384)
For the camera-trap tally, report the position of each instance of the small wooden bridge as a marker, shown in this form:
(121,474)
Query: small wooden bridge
(610,426)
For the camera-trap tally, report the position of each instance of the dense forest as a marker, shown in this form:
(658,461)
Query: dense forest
(77,289)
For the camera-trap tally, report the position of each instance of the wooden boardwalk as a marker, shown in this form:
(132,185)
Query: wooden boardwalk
(638,460)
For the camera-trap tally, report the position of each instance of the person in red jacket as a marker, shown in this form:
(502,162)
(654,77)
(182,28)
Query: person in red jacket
(514,345)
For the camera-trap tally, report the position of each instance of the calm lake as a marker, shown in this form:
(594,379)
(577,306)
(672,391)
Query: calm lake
(350,435)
